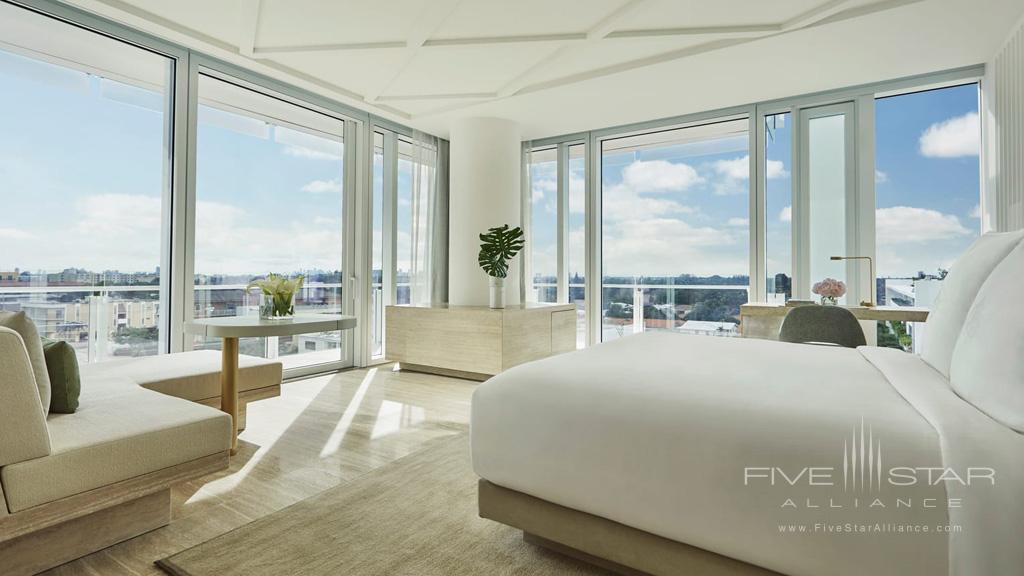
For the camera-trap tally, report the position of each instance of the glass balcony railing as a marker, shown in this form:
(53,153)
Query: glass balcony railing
(628,308)
(215,300)
(100,322)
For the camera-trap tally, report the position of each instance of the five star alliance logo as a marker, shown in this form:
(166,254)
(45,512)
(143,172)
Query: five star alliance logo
(862,461)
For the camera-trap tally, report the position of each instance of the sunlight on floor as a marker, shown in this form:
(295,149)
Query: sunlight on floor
(334,441)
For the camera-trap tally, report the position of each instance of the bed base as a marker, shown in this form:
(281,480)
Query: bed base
(602,542)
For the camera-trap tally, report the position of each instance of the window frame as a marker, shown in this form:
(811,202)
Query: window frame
(860,217)
(178,217)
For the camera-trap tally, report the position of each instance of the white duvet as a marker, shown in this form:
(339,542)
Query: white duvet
(807,460)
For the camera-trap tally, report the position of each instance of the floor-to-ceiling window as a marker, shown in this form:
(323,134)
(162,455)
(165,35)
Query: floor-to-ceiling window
(405,209)
(542,231)
(84,185)
(927,191)
(377,248)
(776,166)
(576,253)
(884,175)
(675,230)
(269,199)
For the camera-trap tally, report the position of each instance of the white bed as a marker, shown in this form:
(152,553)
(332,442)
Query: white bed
(673,435)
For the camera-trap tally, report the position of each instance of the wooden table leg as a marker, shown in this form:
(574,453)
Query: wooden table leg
(229,387)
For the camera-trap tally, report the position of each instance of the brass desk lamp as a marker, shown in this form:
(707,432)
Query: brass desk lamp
(870,303)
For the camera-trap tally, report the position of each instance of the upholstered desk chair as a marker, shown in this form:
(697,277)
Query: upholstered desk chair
(822,324)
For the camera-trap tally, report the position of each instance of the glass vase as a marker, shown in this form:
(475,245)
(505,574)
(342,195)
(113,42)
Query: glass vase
(277,306)
(829,301)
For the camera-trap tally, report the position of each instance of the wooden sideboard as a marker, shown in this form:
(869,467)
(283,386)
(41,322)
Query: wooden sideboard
(476,342)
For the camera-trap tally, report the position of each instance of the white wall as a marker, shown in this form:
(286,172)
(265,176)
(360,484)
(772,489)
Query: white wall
(484,192)
(1004,135)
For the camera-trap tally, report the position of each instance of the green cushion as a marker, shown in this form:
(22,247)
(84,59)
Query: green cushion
(65,380)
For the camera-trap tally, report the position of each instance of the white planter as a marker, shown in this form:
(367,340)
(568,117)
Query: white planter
(497,292)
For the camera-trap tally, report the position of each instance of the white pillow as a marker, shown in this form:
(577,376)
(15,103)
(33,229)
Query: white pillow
(957,294)
(988,362)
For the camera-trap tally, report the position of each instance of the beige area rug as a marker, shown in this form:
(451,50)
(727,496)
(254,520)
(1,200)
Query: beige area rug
(415,516)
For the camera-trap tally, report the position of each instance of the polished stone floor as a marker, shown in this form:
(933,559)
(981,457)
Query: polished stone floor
(321,432)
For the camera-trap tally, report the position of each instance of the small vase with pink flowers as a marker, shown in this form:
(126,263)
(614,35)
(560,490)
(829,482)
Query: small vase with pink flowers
(830,290)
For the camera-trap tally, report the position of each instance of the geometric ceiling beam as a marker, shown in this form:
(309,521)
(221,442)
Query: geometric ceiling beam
(522,39)
(815,14)
(450,96)
(825,14)
(249,22)
(638,63)
(751,30)
(605,26)
(540,64)
(564,37)
(596,33)
(430,19)
(340,47)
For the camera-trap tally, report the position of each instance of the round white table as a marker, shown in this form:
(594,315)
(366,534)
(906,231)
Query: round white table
(231,328)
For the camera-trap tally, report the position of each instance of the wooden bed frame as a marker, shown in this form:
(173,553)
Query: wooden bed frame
(602,542)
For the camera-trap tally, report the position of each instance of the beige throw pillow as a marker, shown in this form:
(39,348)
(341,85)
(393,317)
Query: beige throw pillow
(21,324)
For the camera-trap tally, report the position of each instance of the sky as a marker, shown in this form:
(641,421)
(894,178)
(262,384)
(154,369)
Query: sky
(684,208)
(82,174)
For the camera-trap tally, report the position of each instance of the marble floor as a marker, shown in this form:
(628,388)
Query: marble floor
(321,432)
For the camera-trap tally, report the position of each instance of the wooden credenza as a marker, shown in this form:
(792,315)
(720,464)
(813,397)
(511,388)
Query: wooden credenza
(476,342)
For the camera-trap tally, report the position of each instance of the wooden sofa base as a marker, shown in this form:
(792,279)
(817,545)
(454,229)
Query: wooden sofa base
(57,532)
(61,543)
(602,542)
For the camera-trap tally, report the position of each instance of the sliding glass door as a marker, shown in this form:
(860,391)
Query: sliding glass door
(554,212)
(270,198)
(85,181)
(675,225)
(405,206)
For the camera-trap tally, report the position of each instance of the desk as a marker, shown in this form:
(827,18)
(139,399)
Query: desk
(760,320)
(231,328)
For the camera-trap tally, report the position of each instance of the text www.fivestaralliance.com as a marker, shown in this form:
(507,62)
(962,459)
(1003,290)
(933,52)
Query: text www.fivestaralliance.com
(878,528)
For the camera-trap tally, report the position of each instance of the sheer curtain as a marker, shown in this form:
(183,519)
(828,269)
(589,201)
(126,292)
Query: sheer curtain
(428,269)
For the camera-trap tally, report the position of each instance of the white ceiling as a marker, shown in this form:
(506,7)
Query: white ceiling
(560,66)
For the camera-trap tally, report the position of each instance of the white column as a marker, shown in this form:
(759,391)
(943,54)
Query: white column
(484,192)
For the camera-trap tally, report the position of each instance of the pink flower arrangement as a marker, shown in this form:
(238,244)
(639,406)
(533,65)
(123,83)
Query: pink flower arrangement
(830,288)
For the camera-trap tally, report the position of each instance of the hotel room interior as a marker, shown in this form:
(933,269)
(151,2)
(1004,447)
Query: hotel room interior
(530,287)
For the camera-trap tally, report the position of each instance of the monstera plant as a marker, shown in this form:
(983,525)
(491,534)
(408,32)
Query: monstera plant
(497,247)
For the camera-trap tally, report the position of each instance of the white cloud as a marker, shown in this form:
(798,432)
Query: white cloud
(621,203)
(15,234)
(881,177)
(540,187)
(960,136)
(776,169)
(976,211)
(739,222)
(907,224)
(735,173)
(660,176)
(668,246)
(737,168)
(311,154)
(786,214)
(322,186)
